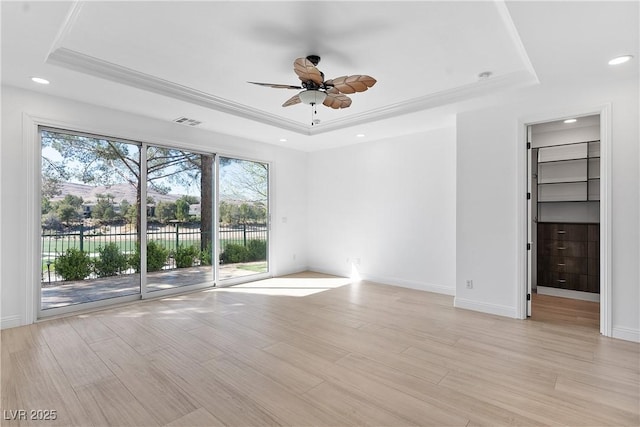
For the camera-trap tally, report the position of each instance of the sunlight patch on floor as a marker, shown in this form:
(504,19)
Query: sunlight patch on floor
(288,286)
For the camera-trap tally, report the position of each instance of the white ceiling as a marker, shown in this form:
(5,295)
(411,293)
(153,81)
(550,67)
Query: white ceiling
(176,58)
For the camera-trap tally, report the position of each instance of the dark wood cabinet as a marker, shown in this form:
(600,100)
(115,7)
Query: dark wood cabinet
(569,256)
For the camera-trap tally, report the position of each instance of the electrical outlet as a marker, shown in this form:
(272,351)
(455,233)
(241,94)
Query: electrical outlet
(469,284)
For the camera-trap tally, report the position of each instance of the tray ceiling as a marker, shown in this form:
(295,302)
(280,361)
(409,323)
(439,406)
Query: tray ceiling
(171,59)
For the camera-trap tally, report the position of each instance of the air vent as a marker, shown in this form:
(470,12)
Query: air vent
(187,121)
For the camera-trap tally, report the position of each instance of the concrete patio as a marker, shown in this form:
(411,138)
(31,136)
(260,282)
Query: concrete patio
(61,294)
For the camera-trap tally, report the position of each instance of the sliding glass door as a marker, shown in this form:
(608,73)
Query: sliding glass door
(89,219)
(123,220)
(179,201)
(95,243)
(243,215)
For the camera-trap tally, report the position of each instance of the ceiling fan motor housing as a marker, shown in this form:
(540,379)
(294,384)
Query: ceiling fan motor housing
(315,59)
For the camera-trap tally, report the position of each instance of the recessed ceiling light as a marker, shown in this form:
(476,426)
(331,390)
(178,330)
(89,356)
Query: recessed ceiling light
(40,80)
(620,59)
(360,135)
(571,120)
(283,139)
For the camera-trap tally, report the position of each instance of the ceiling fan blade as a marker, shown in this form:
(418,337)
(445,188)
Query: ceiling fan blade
(337,100)
(276,86)
(295,99)
(352,84)
(307,71)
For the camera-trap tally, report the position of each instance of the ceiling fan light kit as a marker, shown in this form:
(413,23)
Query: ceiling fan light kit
(317,90)
(312,96)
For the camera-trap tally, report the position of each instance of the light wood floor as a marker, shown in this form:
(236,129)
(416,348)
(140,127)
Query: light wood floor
(313,350)
(565,311)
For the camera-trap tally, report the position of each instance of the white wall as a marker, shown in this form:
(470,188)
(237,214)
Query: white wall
(389,203)
(427,211)
(18,179)
(488,176)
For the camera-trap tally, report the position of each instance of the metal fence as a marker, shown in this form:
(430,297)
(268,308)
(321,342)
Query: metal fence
(90,239)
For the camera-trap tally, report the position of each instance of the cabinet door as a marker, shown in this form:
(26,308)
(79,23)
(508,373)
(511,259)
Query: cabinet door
(564,232)
(569,281)
(562,264)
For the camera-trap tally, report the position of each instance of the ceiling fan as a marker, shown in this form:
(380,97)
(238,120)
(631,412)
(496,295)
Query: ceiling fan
(316,89)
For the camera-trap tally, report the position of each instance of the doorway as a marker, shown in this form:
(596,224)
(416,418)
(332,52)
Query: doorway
(123,220)
(243,220)
(567,227)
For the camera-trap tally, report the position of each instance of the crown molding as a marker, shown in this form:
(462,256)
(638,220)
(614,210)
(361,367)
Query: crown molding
(99,68)
(78,61)
(96,67)
(433,100)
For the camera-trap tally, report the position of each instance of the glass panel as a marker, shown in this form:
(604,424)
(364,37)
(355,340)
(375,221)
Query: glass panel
(89,218)
(179,218)
(243,212)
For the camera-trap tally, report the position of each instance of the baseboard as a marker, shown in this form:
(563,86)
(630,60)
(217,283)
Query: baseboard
(392,281)
(566,293)
(411,284)
(10,322)
(327,270)
(626,334)
(288,271)
(483,307)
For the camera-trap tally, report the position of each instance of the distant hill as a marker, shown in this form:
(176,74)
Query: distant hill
(120,192)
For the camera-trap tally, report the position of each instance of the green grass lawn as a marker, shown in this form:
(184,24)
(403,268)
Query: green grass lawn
(258,268)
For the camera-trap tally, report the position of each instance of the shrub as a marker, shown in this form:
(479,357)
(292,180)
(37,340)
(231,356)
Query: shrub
(110,262)
(234,253)
(206,256)
(257,250)
(185,256)
(156,257)
(73,265)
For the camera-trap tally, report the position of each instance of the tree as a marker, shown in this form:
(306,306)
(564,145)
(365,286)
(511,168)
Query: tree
(124,208)
(131,215)
(103,209)
(206,203)
(72,200)
(244,180)
(106,161)
(165,211)
(46,206)
(244,187)
(191,200)
(69,209)
(50,221)
(182,210)
(67,213)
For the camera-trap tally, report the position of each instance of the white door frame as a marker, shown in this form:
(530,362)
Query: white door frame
(605,207)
